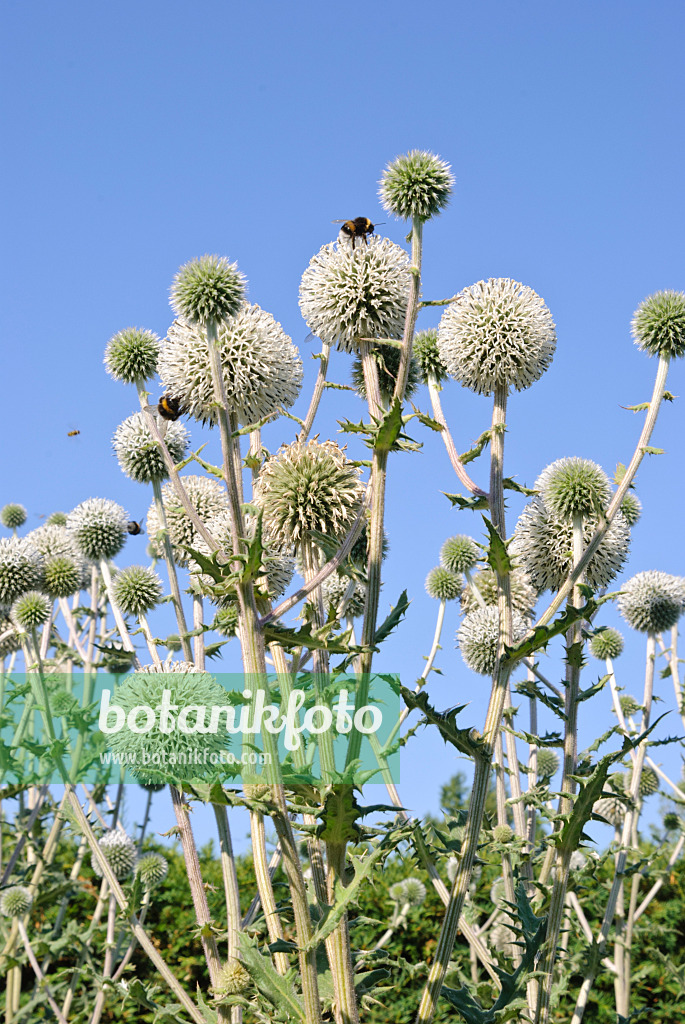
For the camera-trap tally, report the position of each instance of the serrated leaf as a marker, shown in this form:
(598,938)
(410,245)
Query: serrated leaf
(497,556)
(446,722)
(393,619)
(640,407)
(277,988)
(543,634)
(321,639)
(477,448)
(473,504)
(649,450)
(511,485)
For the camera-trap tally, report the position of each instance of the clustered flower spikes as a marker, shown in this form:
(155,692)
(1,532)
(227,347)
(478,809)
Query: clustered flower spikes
(416,186)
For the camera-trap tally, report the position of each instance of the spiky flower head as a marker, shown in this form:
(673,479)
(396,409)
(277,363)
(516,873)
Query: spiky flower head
(53,541)
(99,527)
(131,355)
(498,332)
(16,901)
(459,553)
(137,589)
(413,892)
(658,325)
(629,706)
(416,185)
(548,763)
(226,619)
(63,703)
(208,498)
(652,601)
(443,584)
(648,784)
(64,575)
(607,643)
(21,568)
(12,516)
(347,294)
(427,355)
(56,519)
(612,809)
(502,834)
(30,611)
(307,486)
(12,642)
(279,566)
(152,869)
(139,455)
(574,486)
(335,590)
(262,369)
(185,753)
(232,980)
(671,821)
(523,595)
(631,507)
(478,636)
(388,359)
(207,289)
(543,546)
(120,853)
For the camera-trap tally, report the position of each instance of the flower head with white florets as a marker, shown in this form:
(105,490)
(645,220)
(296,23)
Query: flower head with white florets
(478,637)
(497,333)
(207,497)
(21,568)
(16,901)
(652,601)
(98,527)
(139,455)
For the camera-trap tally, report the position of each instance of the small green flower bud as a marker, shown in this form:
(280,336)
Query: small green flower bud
(427,356)
(131,355)
(413,892)
(418,184)
(671,821)
(606,643)
(99,527)
(443,584)
(12,516)
(629,706)
(137,589)
(63,575)
(574,486)
(649,781)
(16,901)
(548,763)
(502,834)
(30,611)
(652,601)
(233,979)
(207,289)
(388,359)
(56,519)
(396,892)
(226,619)
(459,554)
(631,507)
(658,325)
(152,869)
(120,852)
(63,703)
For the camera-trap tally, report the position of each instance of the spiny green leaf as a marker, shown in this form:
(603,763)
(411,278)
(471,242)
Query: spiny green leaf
(511,485)
(322,639)
(640,407)
(497,556)
(386,627)
(543,634)
(473,504)
(649,450)
(477,448)
(277,988)
(446,721)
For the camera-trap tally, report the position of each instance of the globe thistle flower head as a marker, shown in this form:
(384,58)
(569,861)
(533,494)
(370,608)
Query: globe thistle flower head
(226,619)
(53,541)
(611,809)
(658,325)
(137,589)
(498,332)
(459,553)
(427,356)
(574,486)
(631,507)
(451,869)
(138,453)
(209,499)
(417,185)
(64,575)
(21,568)
(63,703)
(443,584)
(207,289)
(262,369)
(478,636)
(12,642)
(120,853)
(12,516)
(131,355)
(648,784)
(629,706)
(16,901)
(502,834)
(99,528)
(671,821)
(652,601)
(56,519)
(606,643)
(347,294)
(542,546)
(233,979)
(413,892)
(548,763)
(523,595)
(307,486)
(152,869)
(186,753)
(388,359)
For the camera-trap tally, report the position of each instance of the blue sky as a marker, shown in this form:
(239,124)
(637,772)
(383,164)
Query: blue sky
(137,136)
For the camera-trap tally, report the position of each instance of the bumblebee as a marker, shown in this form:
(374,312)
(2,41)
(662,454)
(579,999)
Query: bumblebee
(134,528)
(169,408)
(360,227)
(73,433)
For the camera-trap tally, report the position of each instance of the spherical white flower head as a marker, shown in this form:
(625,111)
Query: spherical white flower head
(523,594)
(543,546)
(152,869)
(138,453)
(498,332)
(232,980)
(21,568)
(208,498)
(548,763)
(334,590)
(99,527)
(12,516)
(459,553)
(478,635)
(574,486)
(261,367)
(137,589)
(16,901)
(413,891)
(607,643)
(307,486)
(120,853)
(53,541)
(347,294)
(280,567)
(443,584)
(418,184)
(658,325)
(30,611)
(207,289)
(652,601)
(131,355)
(611,809)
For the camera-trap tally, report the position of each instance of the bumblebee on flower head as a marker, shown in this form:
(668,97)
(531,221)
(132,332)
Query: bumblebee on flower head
(360,227)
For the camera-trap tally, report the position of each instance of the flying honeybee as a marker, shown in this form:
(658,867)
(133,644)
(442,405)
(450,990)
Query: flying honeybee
(169,408)
(135,528)
(73,433)
(360,227)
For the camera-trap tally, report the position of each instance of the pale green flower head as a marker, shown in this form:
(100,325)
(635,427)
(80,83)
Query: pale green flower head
(427,355)
(120,853)
(152,869)
(209,499)
(208,289)
(64,575)
(459,553)
(548,763)
(478,636)
(523,594)
(417,185)
(233,979)
(648,784)
(443,584)
(388,359)
(606,643)
(574,486)
(652,601)
(131,355)
(658,325)
(12,516)
(98,527)
(137,589)
(16,901)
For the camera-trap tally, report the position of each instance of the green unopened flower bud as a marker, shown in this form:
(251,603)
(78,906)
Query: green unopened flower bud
(226,619)
(658,325)
(548,763)
(137,589)
(427,355)
(413,892)
(99,527)
(120,853)
(606,643)
(56,519)
(16,901)
(443,584)
(671,821)
(418,184)
(30,611)
(631,507)
(396,892)
(63,703)
(152,869)
(131,355)
(652,601)
(649,781)
(629,706)
(574,486)
(207,289)
(12,516)
(233,979)
(138,453)
(63,575)
(459,553)
(502,834)
(388,359)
